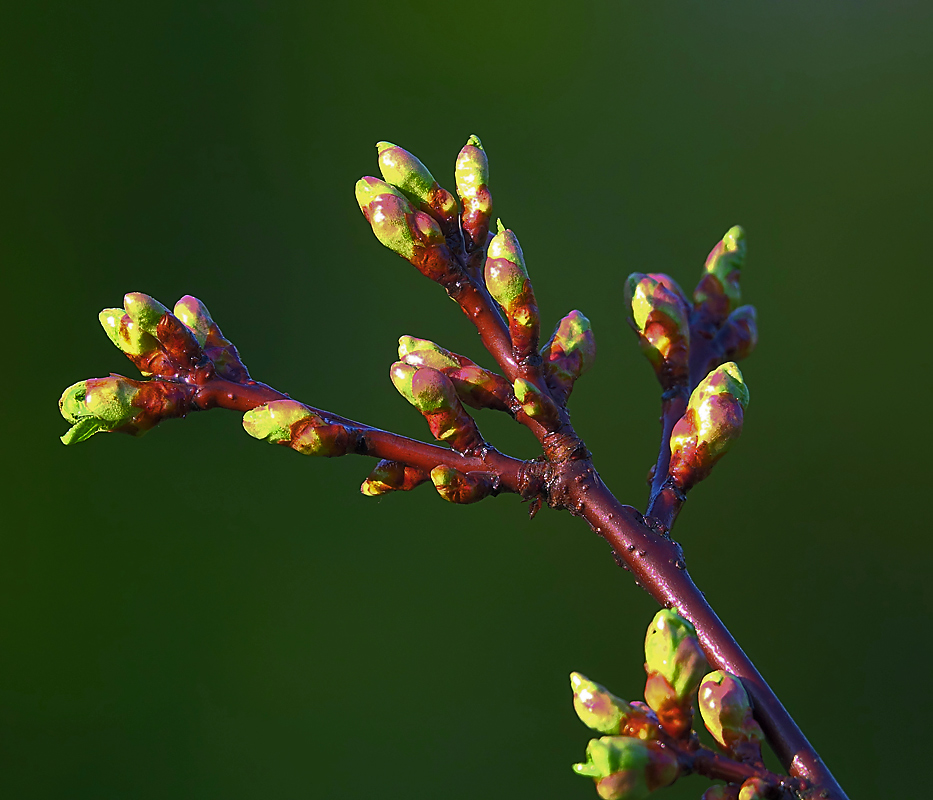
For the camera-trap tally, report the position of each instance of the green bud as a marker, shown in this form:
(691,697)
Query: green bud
(719,286)
(126,334)
(388,214)
(458,487)
(369,188)
(755,789)
(433,394)
(291,424)
(673,651)
(424,353)
(506,274)
(472,175)
(660,317)
(596,706)
(711,424)
(144,310)
(626,768)
(402,169)
(727,712)
(536,405)
(194,316)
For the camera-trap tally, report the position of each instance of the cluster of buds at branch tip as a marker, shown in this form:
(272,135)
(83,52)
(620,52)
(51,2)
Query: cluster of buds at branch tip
(410,233)
(710,425)
(626,768)
(459,487)
(433,394)
(727,714)
(569,353)
(406,172)
(508,283)
(675,665)
(477,387)
(660,315)
(472,175)
(718,291)
(392,476)
(294,425)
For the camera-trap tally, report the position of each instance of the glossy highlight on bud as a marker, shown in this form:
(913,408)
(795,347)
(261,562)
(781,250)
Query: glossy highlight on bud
(673,650)
(718,289)
(711,424)
(596,706)
(625,768)
(755,789)
(144,310)
(727,713)
(424,353)
(569,353)
(472,176)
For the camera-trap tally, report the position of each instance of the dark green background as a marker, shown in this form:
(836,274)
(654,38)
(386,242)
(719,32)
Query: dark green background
(195,614)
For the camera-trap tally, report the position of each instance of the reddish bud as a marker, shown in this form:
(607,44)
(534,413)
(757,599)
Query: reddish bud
(569,353)
(659,314)
(392,476)
(458,487)
(718,291)
(508,283)
(472,174)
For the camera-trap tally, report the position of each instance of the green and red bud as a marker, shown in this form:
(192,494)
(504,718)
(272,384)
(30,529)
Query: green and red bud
(177,342)
(403,170)
(459,487)
(710,425)
(293,425)
(433,394)
(222,353)
(675,665)
(660,316)
(597,707)
(145,311)
(508,283)
(392,476)
(412,234)
(727,714)
(475,386)
(569,353)
(138,346)
(536,404)
(628,769)
(718,291)
(756,789)
(472,175)
(118,404)
(739,334)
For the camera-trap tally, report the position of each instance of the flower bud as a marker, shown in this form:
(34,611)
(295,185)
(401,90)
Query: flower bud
(118,404)
(145,311)
(535,404)
(718,290)
(710,425)
(739,334)
(628,769)
(424,353)
(291,424)
(569,353)
(727,714)
(221,352)
(661,318)
(458,487)
(596,706)
(140,347)
(755,789)
(392,476)
(675,664)
(432,393)
(472,175)
(402,169)
(508,283)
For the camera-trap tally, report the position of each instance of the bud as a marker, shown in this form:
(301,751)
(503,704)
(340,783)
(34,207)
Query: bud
(535,404)
(675,664)
(140,347)
(710,425)
(596,706)
(508,283)
(458,487)
(718,290)
(291,424)
(739,334)
(222,353)
(472,175)
(118,404)
(392,476)
(424,353)
(145,311)
(661,318)
(411,234)
(628,769)
(727,714)
(756,789)
(569,353)
(402,169)
(432,393)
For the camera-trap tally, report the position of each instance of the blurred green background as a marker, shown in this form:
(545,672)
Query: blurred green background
(195,614)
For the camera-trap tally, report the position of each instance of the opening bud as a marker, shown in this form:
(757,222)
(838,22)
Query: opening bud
(718,290)
(472,175)
(710,425)
(627,769)
(458,487)
(727,714)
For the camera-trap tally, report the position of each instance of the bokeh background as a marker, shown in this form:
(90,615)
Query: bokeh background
(195,614)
